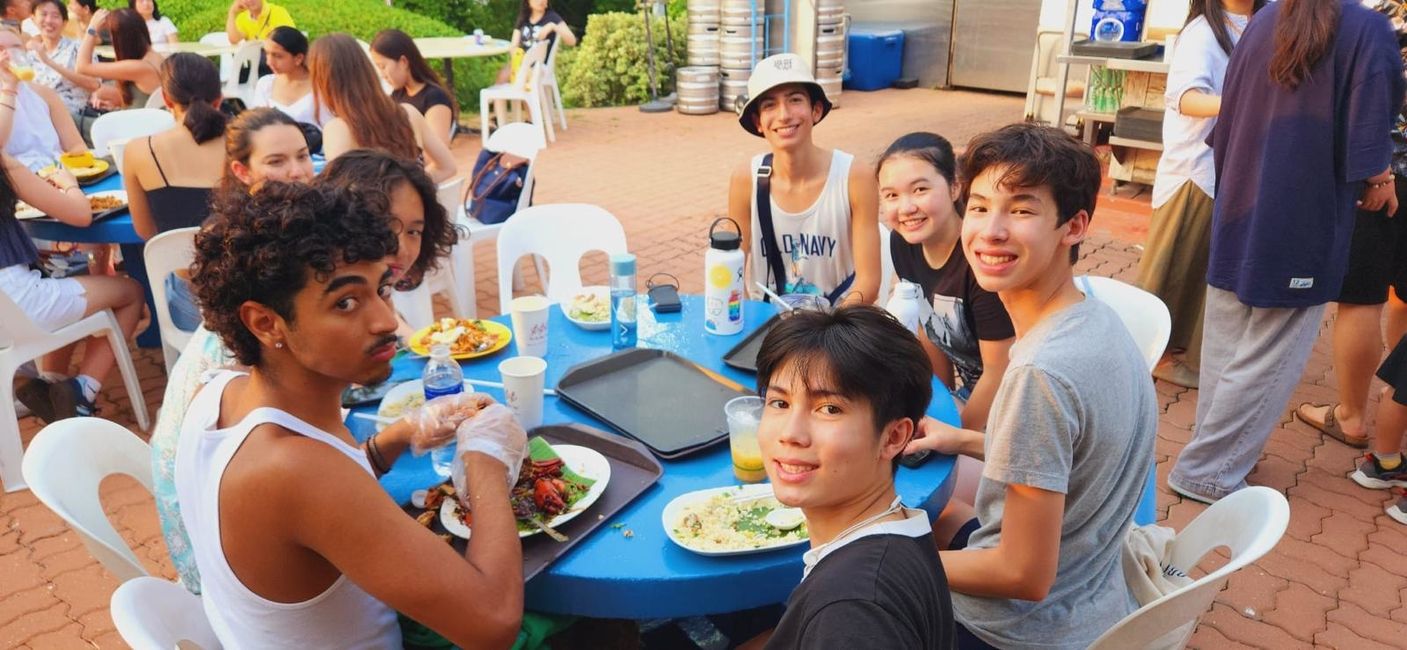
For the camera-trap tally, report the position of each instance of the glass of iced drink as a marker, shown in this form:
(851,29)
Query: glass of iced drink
(743,414)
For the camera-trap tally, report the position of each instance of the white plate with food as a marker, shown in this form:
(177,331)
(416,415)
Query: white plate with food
(590,308)
(99,203)
(584,461)
(399,400)
(729,521)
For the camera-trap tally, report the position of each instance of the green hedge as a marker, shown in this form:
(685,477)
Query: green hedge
(610,68)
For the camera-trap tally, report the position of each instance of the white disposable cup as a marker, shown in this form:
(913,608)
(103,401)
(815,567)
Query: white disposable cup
(529,315)
(523,379)
(116,148)
(1169,42)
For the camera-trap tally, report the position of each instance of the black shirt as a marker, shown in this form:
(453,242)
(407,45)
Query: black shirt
(430,95)
(881,591)
(528,31)
(957,312)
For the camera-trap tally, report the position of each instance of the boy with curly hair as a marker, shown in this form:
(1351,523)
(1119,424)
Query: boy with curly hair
(296,543)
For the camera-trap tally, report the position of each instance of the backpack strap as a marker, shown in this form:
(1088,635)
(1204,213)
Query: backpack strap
(770,249)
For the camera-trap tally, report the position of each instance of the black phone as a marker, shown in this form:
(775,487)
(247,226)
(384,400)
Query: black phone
(916,459)
(664,298)
(358,395)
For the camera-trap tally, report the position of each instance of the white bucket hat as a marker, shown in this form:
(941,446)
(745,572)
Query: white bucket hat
(777,70)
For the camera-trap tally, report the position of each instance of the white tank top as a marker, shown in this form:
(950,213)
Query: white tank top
(343,616)
(815,243)
(33,140)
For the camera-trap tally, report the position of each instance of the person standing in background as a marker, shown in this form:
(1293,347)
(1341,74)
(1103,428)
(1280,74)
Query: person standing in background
(1310,94)
(1377,275)
(1174,263)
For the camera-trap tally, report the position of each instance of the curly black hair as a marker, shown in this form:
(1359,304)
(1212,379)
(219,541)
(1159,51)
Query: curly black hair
(374,175)
(266,248)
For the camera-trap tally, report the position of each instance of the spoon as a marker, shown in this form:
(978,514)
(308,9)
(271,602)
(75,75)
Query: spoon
(785,518)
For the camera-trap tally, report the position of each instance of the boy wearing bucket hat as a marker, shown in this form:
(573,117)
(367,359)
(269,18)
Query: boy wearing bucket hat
(808,214)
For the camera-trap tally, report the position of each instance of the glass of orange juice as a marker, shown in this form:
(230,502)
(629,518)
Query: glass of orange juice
(743,415)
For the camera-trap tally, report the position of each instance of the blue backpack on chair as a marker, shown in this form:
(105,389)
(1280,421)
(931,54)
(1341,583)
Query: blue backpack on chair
(495,186)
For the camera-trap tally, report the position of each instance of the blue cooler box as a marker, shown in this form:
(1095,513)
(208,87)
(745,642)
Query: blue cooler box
(876,58)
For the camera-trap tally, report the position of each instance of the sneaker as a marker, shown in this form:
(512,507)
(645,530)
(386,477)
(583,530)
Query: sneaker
(68,400)
(33,393)
(1200,498)
(1398,510)
(1370,474)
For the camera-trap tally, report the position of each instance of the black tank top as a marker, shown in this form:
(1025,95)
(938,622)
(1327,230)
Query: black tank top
(175,207)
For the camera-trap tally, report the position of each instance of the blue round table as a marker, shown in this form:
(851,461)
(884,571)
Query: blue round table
(610,575)
(116,229)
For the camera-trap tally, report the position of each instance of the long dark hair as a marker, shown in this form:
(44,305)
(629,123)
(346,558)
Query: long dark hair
(155,8)
(525,13)
(192,82)
(1216,19)
(344,82)
(239,143)
(130,41)
(292,41)
(1304,33)
(374,175)
(928,147)
(394,44)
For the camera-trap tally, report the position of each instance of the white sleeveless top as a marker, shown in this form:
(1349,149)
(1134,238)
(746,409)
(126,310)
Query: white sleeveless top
(33,140)
(815,243)
(343,616)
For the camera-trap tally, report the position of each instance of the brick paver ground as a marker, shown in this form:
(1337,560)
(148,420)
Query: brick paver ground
(1338,579)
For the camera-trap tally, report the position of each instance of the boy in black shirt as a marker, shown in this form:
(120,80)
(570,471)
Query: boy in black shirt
(843,392)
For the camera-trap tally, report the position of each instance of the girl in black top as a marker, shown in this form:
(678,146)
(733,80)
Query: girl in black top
(413,81)
(966,329)
(536,21)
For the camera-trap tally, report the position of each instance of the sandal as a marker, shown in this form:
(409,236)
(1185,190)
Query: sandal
(1330,426)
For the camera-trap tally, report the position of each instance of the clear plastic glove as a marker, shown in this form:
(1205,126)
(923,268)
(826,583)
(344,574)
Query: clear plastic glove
(494,432)
(433,424)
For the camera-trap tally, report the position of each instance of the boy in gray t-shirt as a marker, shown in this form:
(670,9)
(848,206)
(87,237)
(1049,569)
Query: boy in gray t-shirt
(1069,441)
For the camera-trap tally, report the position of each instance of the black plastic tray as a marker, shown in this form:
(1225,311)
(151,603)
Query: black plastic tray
(743,356)
(1114,49)
(671,404)
(633,471)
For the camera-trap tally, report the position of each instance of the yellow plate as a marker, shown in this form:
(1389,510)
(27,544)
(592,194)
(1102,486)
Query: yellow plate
(82,173)
(504,334)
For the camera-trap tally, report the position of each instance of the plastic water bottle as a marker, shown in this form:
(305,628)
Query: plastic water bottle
(442,376)
(622,301)
(905,304)
(723,280)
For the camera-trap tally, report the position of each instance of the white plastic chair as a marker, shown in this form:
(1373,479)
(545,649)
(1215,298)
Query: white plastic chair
(1249,522)
(157,99)
(526,87)
(517,139)
(153,614)
(21,341)
(562,233)
(1150,324)
(221,39)
(549,82)
(165,254)
(245,54)
(1145,316)
(66,463)
(128,124)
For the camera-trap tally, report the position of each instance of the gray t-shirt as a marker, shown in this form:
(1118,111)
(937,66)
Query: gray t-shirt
(1076,414)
